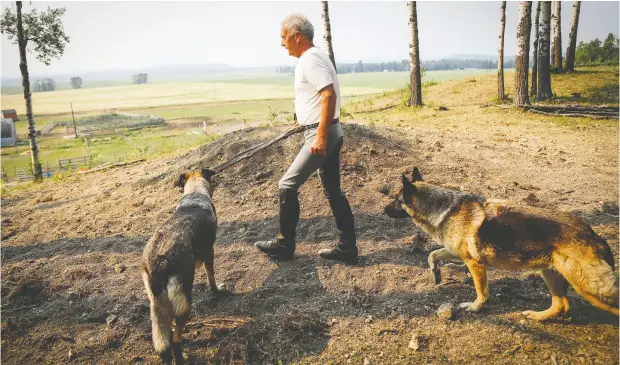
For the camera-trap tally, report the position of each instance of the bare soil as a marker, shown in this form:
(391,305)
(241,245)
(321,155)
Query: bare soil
(72,293)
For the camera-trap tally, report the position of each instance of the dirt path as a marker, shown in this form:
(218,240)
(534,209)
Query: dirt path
(71,252)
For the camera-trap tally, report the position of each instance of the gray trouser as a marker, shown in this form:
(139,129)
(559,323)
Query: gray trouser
(305,164)
(329,171)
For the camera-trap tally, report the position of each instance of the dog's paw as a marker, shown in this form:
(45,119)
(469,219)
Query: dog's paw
(217,288)
(220,291)
(470,307)
(537,316)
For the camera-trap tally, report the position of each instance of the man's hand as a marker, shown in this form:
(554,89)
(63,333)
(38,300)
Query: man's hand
(318,148)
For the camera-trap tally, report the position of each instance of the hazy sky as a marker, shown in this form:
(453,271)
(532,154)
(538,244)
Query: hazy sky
(107,35)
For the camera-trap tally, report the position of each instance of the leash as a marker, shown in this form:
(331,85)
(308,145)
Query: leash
(253,150)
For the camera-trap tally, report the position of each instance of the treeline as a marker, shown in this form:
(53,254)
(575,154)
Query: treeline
(44,85)
(597,52)
(344,68)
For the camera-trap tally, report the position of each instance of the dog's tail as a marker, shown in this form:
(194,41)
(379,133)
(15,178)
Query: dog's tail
(168,301)
(590,271)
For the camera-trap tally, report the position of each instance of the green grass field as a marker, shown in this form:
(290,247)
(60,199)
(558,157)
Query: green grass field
(147,142)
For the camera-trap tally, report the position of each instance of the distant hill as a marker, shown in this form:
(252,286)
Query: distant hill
(155,74)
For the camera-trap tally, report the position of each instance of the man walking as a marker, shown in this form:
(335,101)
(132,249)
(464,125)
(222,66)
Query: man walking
(317,106)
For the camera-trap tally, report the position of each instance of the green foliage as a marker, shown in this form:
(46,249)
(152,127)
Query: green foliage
(429,83)
(76,82)
(43,32)
(273,114)
(344,113)
(61,176)
(595,51)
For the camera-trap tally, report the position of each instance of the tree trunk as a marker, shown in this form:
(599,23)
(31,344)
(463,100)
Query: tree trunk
(556,27)
(522,59)
(500,58)
(414,54)
(535,58)
(572,39)
(328,33)
(23,66)
(544,67)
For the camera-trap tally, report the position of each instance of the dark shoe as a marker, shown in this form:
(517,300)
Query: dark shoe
(347,255)
(276,249)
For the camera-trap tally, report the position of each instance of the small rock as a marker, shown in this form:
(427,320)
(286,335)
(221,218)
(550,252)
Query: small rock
(445,311)
(368,319)
(45,199)
(119,268)
(71,355)
(414,344)
(367,361)
(531,199)
(138,203)
(346,356)
(333,321)
(111,319)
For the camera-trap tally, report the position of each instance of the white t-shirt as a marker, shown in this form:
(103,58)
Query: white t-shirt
(313,72)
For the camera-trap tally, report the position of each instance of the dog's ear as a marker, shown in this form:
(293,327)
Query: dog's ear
(416,176)
(180,182)
(408,190)
(208,174)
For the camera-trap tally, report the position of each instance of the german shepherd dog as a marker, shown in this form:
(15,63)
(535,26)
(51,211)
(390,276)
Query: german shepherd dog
(486,233)
(180,246)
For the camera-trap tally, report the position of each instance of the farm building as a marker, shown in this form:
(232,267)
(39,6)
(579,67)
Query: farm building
(8,133)
(10,113)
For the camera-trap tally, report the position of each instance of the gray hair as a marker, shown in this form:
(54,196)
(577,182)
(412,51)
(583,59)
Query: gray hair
(299,23)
